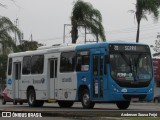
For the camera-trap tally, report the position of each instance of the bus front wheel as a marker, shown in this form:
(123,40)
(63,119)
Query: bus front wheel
(85,100)
(65,104)
(123,104)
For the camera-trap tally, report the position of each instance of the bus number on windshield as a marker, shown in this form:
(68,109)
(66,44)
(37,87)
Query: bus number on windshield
(130,48)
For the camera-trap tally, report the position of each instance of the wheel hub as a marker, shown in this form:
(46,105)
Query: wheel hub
(86,99)
(31,98)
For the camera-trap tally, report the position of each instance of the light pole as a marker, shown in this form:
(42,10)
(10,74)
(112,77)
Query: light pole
(17,25)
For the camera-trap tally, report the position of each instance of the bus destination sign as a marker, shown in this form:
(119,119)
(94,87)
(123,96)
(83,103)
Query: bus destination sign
(130,47)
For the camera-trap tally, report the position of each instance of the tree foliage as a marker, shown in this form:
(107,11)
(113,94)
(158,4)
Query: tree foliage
(28,45)
(85,15)
(3,68)
(144,8)
(6,28)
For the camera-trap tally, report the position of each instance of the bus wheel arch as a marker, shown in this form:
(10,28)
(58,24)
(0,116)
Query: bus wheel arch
(28,89)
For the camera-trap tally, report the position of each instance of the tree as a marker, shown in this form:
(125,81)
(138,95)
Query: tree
(156,47)
(3,69)
(144,7)
(28,45)
(6,28)
(85,16)
(3,5)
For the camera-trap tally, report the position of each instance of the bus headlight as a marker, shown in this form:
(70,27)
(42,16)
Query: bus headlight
(150,90)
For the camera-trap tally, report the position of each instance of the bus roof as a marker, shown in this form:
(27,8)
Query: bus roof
(67,47)
(44,50)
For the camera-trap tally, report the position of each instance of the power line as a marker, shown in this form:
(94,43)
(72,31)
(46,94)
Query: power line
(131,30)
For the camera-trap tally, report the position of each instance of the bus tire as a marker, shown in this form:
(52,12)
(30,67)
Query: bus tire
(31,98)
(14,102)
(85,100)
(65,104)
(123,104)
(3,101)
(39,103)
(21,103)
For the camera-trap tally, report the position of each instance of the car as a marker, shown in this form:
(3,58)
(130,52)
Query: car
(157,99)
(5,97)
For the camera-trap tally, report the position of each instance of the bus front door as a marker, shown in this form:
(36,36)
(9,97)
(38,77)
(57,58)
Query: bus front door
(17,77)
(53,77)
(98,76)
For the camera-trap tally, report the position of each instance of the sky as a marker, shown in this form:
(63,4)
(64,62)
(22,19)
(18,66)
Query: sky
(45,20)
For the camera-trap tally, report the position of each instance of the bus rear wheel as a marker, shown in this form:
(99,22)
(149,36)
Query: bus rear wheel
(39,103)
(21,103)
(65,104)
(31,97)
(14,102)
(3,101)
(85,100)
(123,104)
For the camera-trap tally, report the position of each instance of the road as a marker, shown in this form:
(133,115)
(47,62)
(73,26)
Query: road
(103,109)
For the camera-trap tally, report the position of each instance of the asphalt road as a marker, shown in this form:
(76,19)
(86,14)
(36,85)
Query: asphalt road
(104,110)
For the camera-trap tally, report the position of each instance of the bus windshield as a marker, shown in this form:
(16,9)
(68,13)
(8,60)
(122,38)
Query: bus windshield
(131,67)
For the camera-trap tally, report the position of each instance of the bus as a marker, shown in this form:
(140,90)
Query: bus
(156,64)
(88,73)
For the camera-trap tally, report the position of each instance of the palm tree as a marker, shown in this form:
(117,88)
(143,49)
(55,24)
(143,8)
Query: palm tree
(85,16)
(6,28)
(144,7)
(29,45)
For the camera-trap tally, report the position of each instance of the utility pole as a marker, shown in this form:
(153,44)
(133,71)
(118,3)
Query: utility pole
(31,37)
(17,25)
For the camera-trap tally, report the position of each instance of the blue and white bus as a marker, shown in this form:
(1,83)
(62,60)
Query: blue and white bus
(90,73)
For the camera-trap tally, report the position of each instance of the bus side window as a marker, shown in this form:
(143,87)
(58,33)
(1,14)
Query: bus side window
(67,61)
(10,66)
(26,67)
(95,65)
(79,63)
(106,61)
(83,61)
(37,64)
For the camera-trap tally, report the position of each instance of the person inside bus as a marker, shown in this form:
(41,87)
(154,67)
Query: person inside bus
(143,72)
